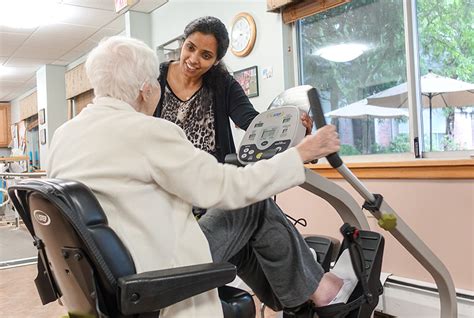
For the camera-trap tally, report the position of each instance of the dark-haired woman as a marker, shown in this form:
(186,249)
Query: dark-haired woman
(199,95)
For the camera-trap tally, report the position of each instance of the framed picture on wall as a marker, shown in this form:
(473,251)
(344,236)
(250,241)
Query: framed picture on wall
(248,79)
(41,116)
(43,136)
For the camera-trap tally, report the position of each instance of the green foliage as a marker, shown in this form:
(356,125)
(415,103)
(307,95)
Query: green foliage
(376,23)
(446,46)
(399,144)
(447,38)
(348,150)
(449,144)
(376,148)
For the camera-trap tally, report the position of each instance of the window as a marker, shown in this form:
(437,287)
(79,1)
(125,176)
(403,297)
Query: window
(355,55)
(446,43)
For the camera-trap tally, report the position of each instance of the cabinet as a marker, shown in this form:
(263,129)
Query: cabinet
(5,134)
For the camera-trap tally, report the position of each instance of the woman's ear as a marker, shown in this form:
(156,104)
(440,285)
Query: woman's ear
(145,91)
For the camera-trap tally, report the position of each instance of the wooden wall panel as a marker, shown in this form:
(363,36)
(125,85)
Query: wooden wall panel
(76,81)
(29,106)
(82,100)
(300,10)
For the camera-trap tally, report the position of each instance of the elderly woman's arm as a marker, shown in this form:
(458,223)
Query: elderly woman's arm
(196,177)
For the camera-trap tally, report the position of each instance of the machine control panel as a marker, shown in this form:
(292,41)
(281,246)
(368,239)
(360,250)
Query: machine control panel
(271,132)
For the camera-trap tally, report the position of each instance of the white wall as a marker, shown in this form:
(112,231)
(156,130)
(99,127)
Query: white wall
(169,21)
(439,211)
(50,81)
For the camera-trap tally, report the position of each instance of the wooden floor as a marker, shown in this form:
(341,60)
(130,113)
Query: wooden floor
(19,298)
(18,295)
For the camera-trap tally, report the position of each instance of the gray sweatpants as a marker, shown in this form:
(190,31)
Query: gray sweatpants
(270,255)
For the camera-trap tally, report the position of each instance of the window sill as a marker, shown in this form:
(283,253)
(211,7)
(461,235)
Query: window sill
(416,169)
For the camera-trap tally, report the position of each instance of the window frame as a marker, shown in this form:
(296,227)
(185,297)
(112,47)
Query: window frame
(415,108)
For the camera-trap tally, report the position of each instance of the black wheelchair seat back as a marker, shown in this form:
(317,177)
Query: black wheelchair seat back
(66,218)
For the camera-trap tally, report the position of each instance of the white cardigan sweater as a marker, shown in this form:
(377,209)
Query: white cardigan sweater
(147,175)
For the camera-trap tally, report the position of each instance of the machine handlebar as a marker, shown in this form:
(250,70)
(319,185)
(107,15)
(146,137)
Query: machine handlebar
(318,118)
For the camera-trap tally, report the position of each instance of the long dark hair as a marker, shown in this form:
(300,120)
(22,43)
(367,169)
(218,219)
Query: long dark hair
(213,26)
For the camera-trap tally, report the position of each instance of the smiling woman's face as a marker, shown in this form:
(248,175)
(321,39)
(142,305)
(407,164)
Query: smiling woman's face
(198,54)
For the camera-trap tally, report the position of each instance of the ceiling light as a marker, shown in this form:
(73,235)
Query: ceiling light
(28,14)
(6,70)
(344,52)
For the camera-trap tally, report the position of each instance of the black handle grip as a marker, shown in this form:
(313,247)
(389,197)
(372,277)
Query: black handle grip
(318,118)
(231,159)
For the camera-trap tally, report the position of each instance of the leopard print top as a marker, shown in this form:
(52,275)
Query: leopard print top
(195,116)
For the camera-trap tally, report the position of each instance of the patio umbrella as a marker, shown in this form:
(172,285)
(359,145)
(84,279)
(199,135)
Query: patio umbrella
(360,110)
(436,91)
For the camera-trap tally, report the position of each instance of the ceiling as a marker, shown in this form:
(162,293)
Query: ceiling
(81,24)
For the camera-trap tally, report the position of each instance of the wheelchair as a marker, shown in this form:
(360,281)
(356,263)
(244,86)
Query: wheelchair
(82,262)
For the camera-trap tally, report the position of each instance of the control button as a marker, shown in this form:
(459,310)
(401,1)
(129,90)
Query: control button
(259,155)
(244,155)
(246,149)
(264,143)
(251,152)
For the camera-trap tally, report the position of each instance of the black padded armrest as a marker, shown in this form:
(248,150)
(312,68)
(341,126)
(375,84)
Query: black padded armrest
(154,290)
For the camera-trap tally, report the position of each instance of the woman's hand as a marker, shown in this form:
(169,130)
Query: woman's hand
(307,123)
(323,143)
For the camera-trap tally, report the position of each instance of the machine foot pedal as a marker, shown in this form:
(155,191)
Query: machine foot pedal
(326,249)
(366,250)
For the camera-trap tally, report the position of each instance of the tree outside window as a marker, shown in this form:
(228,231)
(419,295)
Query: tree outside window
(354,51)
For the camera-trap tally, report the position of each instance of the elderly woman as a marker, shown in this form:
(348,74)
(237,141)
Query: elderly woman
(147,175)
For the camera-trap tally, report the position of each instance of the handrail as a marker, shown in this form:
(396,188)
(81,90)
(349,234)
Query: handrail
(23,174)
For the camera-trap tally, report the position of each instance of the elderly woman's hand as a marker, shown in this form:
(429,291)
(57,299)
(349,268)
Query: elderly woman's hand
(323,143)
(307,122)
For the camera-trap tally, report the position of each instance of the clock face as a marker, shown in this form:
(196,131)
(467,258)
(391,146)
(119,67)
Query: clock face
(240,34)
(243,34)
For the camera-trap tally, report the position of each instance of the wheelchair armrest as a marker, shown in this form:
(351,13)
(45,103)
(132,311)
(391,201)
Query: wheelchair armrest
(154,290)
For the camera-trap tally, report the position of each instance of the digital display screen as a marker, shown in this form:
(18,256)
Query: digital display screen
(268,133)
(285,120)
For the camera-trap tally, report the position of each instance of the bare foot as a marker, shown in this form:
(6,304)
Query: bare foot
(327,290)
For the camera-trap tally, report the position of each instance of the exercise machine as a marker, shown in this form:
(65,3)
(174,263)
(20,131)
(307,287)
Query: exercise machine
(280,127)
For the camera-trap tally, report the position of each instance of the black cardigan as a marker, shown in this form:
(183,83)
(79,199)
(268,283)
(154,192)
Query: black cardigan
(231,102)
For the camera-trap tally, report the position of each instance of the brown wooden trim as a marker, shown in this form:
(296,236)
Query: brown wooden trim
(419,169)
(300,10)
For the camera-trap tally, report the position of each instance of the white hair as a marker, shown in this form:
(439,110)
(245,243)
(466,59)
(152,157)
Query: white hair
(119,66)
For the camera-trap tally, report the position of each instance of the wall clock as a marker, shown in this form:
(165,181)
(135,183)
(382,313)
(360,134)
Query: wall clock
(243,34)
